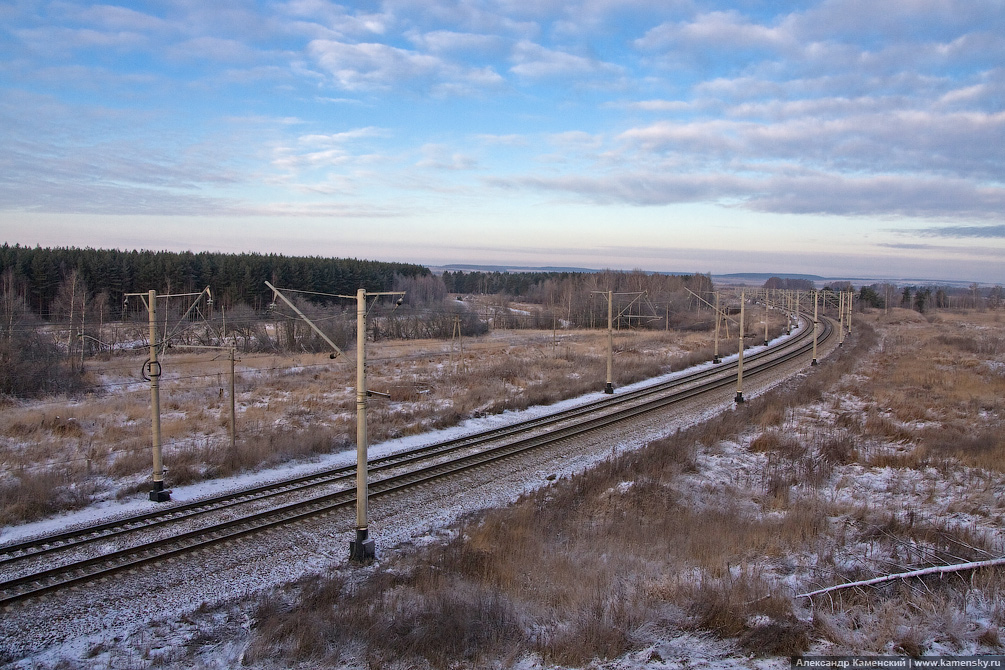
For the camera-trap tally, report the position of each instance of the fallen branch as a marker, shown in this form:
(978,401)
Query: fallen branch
(936,570)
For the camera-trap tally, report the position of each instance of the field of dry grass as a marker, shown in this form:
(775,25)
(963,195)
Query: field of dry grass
(64,453)
(886,458)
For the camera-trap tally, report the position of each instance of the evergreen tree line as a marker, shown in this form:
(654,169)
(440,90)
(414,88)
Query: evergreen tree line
(234,278)
(918,298)
(925,298)
(47,332)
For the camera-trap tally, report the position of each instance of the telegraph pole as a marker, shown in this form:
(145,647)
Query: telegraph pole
(766,316)
(851,298)
(233,404)
(362,548)
(816,325)
(788,312)
(795,323)
(841,318)
(609,388)
(158,494)
(739,369)
(715,355)
(152,372)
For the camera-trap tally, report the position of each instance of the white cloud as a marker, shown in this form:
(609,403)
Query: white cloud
(512,140)
(200,49)
(451,42)
(882,195)
(55,39)
(842,108)
(990,232)
(441,157)
(728,30)
(895,19)
(870,136)
(577,140)
(966,94)
(535,61)
(335,20)
(340,138)
(636,188)
(360,66)
(473,16)
(378,66)
(658,105)
(822,194)
(114,17)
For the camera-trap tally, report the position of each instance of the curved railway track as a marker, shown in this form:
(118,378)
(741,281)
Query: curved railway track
(42,565)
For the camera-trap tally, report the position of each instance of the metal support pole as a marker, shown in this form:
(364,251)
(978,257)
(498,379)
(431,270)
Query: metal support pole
(788,312)
(715,355)
(158,494)
(233,404)
(816,326)
(609,388)
(766,317)
(554,335)
(841,318)
(739,369)
(851,298)
(310,323)
(362,548)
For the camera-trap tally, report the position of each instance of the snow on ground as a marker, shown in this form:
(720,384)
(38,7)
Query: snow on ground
(129,630)
(108,510)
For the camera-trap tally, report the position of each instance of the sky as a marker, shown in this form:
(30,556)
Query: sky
(844,138)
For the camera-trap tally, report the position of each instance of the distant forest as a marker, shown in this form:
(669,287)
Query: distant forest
(516,284)
(233,278)
(59,306)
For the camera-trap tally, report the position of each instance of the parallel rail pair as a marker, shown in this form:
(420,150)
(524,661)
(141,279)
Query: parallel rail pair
(60,552)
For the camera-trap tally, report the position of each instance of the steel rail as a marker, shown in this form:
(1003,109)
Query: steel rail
(127,559)
(74,538)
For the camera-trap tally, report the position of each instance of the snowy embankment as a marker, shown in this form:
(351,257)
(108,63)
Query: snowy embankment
(156,613)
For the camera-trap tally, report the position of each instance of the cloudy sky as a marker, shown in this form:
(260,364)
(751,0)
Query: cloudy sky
(835,137)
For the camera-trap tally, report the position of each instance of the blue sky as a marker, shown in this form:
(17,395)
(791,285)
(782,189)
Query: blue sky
(836,137)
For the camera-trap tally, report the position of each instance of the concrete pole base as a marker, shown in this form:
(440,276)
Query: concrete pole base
(362,549)
(739,397)
(716,360)
(609,389)
(814,362)
(159,494)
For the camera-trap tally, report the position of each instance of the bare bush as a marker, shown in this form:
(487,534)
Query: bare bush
(28,495)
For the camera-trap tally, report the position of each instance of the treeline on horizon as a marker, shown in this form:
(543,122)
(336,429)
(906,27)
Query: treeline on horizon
(919,298)
(237,279)
(233,278)
(56,304)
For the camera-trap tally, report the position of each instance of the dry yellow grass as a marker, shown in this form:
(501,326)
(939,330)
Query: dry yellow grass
(940,385)
(825,492)
(299,405)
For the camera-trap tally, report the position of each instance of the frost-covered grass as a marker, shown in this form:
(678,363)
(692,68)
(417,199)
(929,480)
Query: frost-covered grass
(65,453)
(711,534)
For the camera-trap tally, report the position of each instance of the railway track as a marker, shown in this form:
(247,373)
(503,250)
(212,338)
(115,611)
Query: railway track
(43,565)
